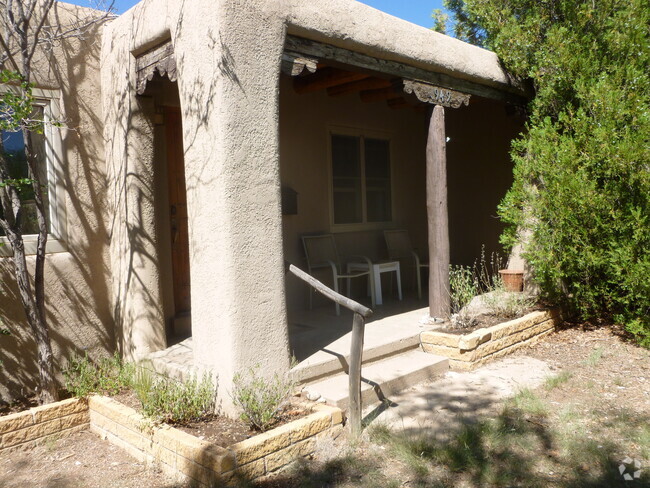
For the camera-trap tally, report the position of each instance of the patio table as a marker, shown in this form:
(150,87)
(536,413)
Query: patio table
(377,270)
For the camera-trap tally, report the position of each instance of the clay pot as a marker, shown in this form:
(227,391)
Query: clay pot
(513,279)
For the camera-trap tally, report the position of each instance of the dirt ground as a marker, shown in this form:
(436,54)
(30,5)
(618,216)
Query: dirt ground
(600,389)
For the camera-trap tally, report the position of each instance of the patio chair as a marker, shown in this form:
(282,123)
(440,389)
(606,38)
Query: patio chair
(321,252)
(399,246)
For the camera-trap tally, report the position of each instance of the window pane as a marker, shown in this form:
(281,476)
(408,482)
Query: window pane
(378,193)
(13,151)
(346,181)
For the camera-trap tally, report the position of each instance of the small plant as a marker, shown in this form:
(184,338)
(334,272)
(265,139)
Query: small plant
(557,380)
(528,402)
(506,304)
(261,399)
(174,402)
(109,375)
(594,357)
(463,287)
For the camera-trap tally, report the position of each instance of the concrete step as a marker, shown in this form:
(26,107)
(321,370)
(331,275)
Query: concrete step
(383,378)
(383,337)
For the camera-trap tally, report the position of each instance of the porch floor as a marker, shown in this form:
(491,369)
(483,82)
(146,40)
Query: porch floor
(320,340)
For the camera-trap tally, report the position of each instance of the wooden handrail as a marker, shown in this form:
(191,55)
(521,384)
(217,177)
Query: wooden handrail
(344,301)
(361,313)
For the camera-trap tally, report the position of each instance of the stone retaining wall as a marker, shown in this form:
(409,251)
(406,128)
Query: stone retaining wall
(468,351)
(188,457)
(38,424)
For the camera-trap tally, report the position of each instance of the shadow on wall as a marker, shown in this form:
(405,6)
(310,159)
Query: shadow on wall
(77,282)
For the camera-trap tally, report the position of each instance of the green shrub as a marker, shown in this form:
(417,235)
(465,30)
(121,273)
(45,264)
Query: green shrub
(109,375)
(582,168)
(261,399)
(174,402)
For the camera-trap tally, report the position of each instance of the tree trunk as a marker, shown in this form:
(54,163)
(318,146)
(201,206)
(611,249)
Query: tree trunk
(48,389)
(438,223)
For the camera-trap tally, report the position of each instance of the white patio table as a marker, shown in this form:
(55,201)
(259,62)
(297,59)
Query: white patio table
(377,270)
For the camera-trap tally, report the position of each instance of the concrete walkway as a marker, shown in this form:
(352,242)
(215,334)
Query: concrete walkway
(456,397)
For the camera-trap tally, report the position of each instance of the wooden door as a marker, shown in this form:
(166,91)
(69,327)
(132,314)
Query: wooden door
(178,210)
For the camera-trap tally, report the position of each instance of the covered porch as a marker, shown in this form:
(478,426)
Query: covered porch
(356,142)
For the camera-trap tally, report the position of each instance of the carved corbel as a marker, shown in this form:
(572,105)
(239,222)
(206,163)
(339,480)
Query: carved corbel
(295,65)
(436,95)
(161,59)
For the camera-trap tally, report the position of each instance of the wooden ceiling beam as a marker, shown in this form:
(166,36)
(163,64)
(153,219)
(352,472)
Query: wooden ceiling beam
(359,85)
(326,78)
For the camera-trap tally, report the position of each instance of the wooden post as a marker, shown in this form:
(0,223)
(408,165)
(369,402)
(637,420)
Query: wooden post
(356,352)
(438,219)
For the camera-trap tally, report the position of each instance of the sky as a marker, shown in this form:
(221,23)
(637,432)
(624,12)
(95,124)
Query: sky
(416,11)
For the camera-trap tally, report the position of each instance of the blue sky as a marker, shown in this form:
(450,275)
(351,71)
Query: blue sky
(416,11)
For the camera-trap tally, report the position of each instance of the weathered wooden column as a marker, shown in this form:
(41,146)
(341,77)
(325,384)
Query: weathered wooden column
(437,216)
(437,211)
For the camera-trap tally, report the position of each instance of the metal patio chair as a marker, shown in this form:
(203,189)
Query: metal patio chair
(399,246)
(321,252)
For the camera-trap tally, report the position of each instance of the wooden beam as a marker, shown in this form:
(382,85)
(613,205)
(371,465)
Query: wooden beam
(355,86)
(326,78)
(437,216)
(514,93)
(296,65)
(379,95)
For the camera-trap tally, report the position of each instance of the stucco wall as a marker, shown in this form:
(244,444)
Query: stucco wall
(77,281)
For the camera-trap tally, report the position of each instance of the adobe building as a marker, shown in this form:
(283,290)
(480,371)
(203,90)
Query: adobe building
(195,120)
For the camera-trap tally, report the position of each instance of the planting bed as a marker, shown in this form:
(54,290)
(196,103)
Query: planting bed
(177,453)
(467,351)
(37,424)
(182,454)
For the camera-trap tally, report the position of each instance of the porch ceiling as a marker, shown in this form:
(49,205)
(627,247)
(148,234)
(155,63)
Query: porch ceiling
(340,71)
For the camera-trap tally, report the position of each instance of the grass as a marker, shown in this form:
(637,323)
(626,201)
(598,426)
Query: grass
(594,357)
(530,441)
(528,402)
(553,382)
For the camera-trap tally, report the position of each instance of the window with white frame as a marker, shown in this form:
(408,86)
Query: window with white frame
(361,179)
(47,147)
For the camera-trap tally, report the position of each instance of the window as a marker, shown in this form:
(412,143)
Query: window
(47,147)
(361,179)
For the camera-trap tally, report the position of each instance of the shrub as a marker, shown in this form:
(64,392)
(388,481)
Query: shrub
(581,185)
(174,402)
(261,399)
(109,375)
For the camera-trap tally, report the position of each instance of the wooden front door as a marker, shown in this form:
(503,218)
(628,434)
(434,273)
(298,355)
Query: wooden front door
(178,210)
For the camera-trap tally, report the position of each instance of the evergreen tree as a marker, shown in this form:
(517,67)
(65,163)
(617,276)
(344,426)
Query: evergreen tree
(581,187)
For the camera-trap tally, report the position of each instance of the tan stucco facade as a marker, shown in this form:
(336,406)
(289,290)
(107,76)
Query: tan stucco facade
(245,134)
(78,272)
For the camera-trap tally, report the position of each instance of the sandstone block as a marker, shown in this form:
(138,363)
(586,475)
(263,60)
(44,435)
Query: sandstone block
(55,410)
(439,338)
(474,339)
(248,471)
(15,421)
(259,446)
(309,426)
(289,454)
(75,419)
(507,328)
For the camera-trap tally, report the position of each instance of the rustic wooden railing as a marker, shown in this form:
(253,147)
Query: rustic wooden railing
(361,313)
